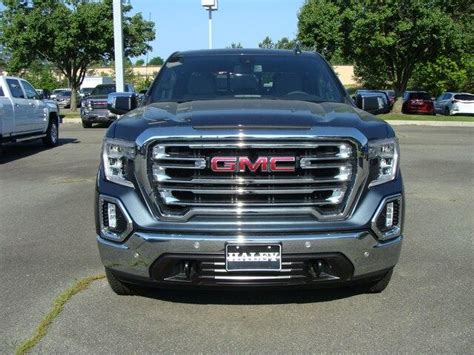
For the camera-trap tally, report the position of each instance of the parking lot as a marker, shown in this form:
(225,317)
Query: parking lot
(48,242)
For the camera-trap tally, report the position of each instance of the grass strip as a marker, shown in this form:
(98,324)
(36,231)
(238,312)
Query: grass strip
(440,118)
(58,306)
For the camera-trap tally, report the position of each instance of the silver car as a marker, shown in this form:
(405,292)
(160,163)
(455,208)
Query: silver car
(452,103)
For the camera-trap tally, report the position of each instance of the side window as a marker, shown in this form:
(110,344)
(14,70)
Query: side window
(30,90)
(1,91)
(15,88)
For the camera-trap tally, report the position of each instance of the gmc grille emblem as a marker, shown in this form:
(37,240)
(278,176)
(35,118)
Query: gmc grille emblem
(241,164)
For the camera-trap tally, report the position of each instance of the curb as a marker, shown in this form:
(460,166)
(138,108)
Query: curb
(430,123)
(392,122)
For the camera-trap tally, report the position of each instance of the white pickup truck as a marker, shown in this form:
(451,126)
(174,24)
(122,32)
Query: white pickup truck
(24,115)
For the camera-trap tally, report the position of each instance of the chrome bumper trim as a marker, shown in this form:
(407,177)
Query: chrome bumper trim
(137,254)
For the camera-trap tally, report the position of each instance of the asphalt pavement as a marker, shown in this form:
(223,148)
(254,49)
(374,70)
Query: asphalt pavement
(48,241)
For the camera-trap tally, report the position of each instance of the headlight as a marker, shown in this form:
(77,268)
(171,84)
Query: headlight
(118,156)
(384,156)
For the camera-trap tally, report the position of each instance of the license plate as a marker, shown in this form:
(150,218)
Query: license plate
(253,257)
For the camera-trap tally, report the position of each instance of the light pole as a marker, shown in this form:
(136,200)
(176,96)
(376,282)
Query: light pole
(210,5)
(118,44)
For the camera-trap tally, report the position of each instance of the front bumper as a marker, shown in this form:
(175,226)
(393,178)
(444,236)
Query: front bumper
(135,260)
(97,116)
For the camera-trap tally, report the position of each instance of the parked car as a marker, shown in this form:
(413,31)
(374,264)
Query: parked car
(63,98)
(56,92)
(207,185)
(392,97)
(94,108)
(85,92)
(44,93)
(372,101)
(452,103)
(418,102)
(24,115)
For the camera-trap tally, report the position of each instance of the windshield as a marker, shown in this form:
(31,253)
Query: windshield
(419,96)
(64,93)
(103,90)
(240,76)
(464,97)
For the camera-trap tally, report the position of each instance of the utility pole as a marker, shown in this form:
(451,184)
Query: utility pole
(210,5)
(118,44)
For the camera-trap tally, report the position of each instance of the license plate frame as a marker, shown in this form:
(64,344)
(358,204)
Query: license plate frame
(249,262)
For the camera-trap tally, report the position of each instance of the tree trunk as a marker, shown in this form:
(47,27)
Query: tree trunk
(74,93)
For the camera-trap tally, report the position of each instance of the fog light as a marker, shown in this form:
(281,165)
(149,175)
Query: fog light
(112,215)
(115,223)
(387,221)
(389,215)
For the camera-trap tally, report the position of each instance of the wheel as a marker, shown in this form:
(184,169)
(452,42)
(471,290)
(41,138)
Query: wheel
(446,111)
(52,134)
(86,124)
(118,286)
(381,284)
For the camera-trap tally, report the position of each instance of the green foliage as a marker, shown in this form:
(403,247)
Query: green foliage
(156,61)
(140,63)
(320,27)
(394,38)
(235,45)
(69,34)
(42,76)
(286,43)
(142,83)
(283,43)
(442,75)
(267,43)
(389,42)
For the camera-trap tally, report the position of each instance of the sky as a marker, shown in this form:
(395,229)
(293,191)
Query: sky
(183,24)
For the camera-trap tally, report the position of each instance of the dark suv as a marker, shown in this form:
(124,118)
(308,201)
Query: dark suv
(94,107)
(248,168)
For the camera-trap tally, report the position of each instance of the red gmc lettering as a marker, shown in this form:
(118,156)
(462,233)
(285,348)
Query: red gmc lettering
(261,163)
(229,164)
(241,164)
(275,160)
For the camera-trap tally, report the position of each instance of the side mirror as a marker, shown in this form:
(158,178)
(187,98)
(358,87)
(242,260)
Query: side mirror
(372,103)
(122,102)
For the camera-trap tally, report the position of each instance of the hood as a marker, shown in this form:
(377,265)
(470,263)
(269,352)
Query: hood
(255,116)
(98,97)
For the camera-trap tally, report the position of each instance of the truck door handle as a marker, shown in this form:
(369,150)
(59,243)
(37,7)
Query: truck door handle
(17,105)
(32,104)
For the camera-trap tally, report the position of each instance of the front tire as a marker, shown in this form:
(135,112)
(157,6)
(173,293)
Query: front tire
(447,111)
(52,134)
(119,287)
(381,284)
(86,124)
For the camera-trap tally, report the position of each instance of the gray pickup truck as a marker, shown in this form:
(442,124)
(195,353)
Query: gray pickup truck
(248,168)
(24,115)
(94,107)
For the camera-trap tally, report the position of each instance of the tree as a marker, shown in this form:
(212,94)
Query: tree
(42,76)
(320,27)
(156,61)
(286,43)
(267,43)
(395,37)
(283,43)
(140,63)
(444,74)
(235,45)
(69,34)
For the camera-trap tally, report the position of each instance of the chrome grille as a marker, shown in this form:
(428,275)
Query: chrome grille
(183,183)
